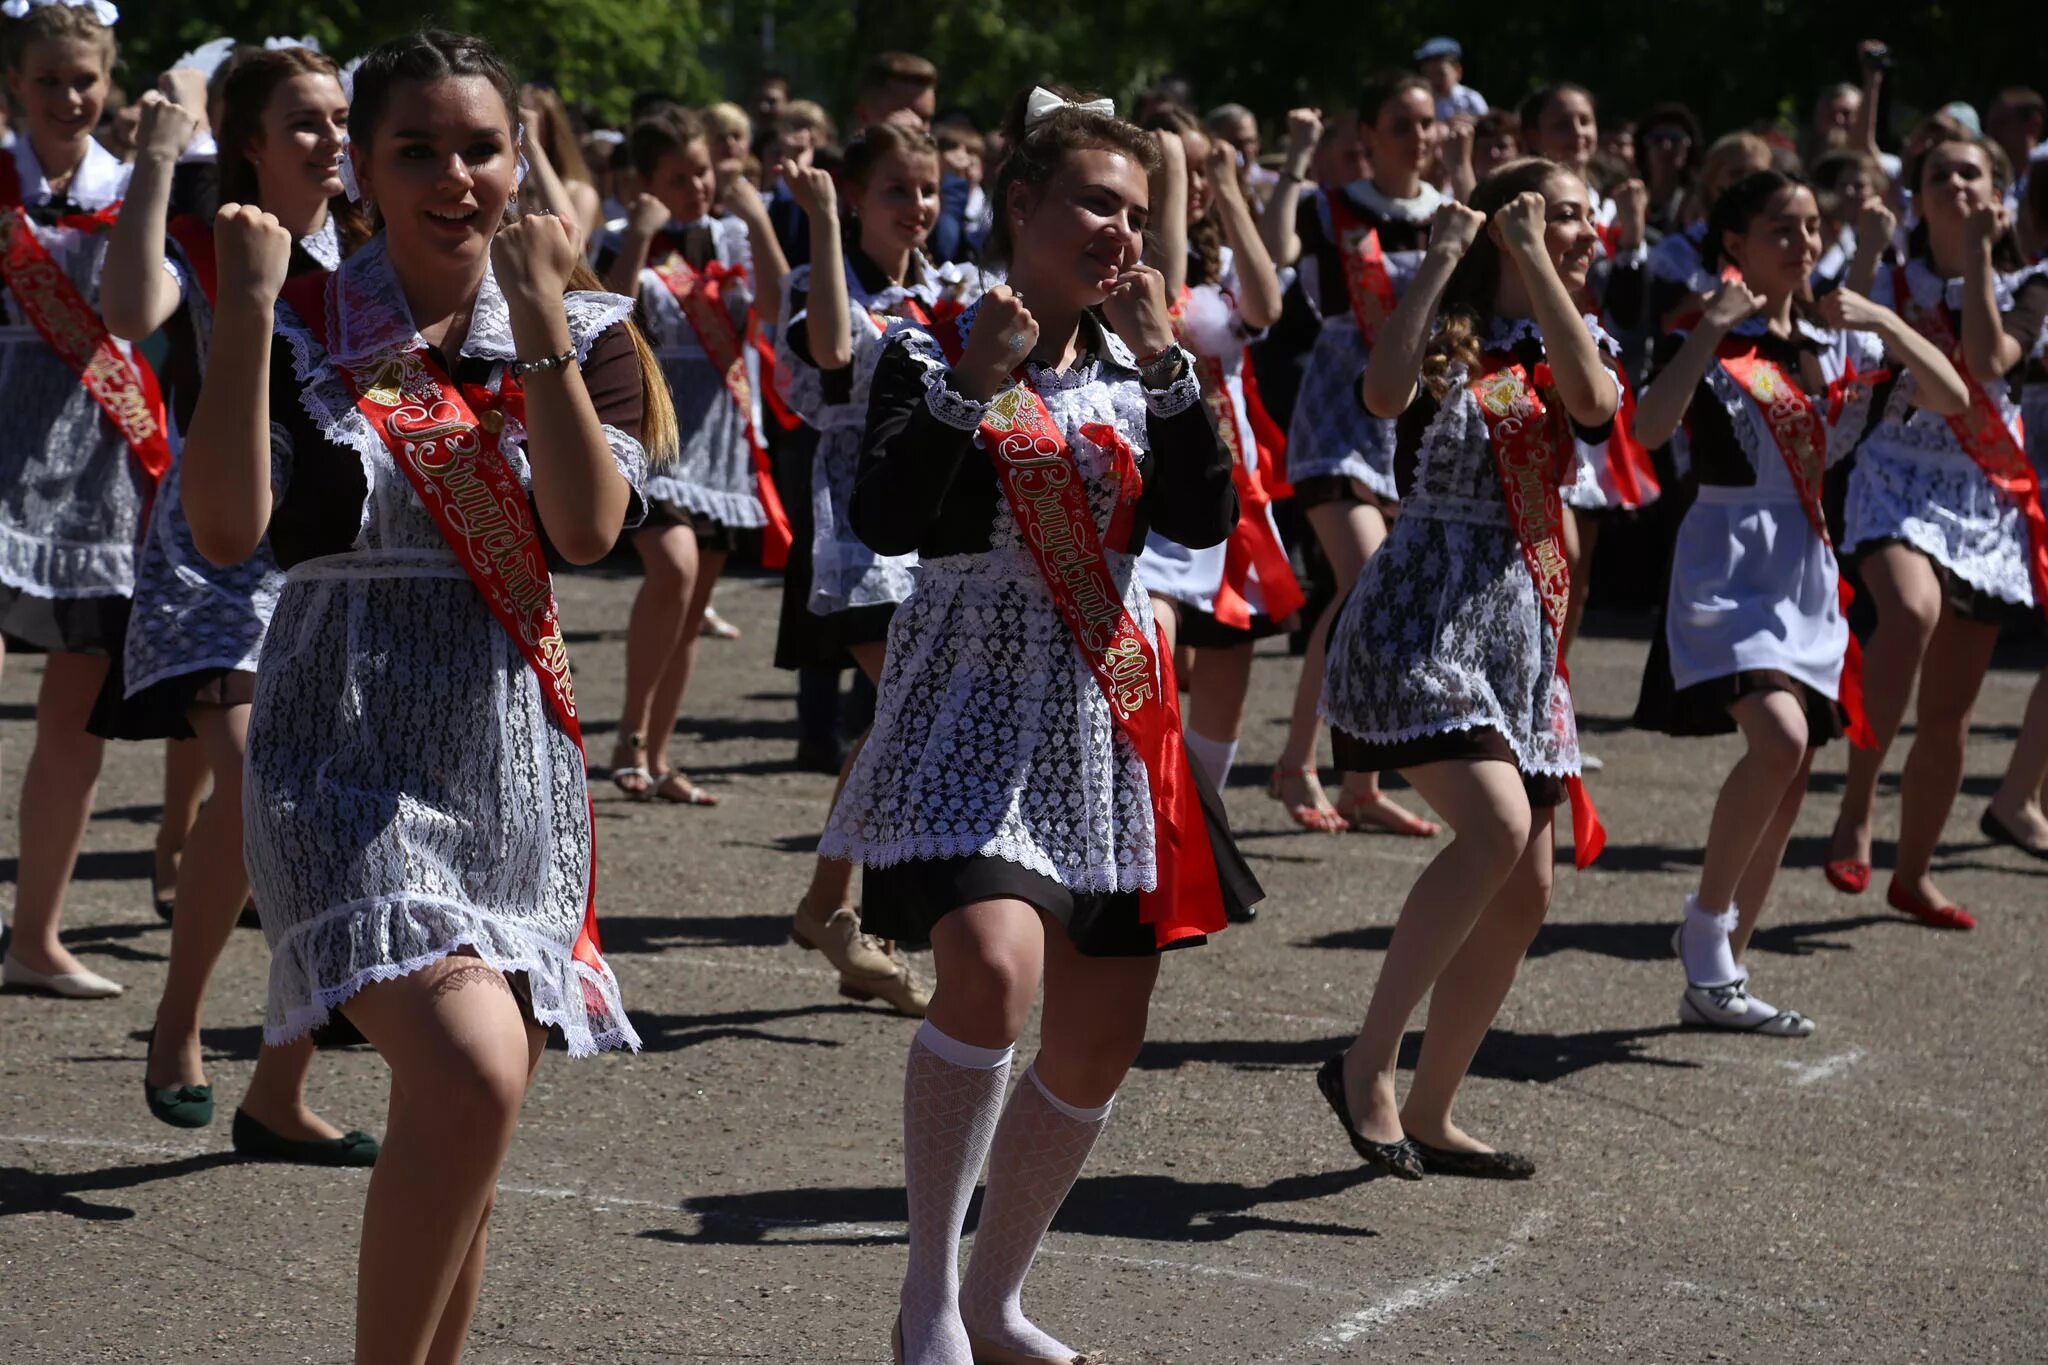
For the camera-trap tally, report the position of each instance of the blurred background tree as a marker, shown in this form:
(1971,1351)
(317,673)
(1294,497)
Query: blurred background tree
(1734,61)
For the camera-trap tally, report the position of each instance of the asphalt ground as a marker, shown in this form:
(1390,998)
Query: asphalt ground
(1874,1193)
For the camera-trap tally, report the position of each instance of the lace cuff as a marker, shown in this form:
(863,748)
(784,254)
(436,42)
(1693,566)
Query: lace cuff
(1177,397)
(953,408)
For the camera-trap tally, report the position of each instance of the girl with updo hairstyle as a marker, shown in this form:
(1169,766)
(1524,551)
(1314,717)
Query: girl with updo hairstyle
(74,476)
(1219,600)
(1002,808)
(188,666)
(418,825)
(1444,661)
(1358,246)
(1936,521)
(1754,638)
(863,276)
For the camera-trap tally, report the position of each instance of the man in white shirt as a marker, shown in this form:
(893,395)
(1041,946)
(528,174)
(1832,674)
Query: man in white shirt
(1442,61)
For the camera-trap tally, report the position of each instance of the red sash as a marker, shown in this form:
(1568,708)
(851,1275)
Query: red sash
(445,439)
(1049,499)
(1253,546)
(1365,265)
(1801,437)
(1983,434)
(697,294)
(1533,452)
(764,350)
(1272,440)
(1628,459)
(123,386)
(194,237)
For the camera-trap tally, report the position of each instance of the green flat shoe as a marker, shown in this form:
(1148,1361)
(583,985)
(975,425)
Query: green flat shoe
(181,1106)
(258,1143)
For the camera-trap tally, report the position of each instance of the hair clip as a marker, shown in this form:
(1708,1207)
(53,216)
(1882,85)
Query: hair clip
(1042,104)
(102,10)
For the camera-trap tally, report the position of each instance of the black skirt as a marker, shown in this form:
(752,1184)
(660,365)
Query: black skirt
(63,625)
(1200,629)
(1355,755)
(904,900)
(712,535)
(1705,708)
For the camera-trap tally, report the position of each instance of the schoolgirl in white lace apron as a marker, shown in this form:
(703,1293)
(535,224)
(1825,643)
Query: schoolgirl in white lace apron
(76,463)
(188,668)
(1943,515)
(1444,661)
(834,315)
(697,279)
(1358,246)
(1009,803)
(427,426)
(1220,599)
(1755,634)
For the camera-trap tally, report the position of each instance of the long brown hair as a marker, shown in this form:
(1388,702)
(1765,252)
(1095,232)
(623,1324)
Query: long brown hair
(1469,296)
(245,96)
(434,54)
(557,137)
(1205,236)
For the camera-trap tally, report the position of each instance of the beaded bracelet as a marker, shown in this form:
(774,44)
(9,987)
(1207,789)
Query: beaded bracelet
(519,369)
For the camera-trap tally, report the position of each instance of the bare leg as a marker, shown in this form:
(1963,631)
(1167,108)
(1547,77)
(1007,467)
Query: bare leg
(1469,993)
(669,555)
(2017,803)
(56,802)
(1773,727)
(1488,812)
(1754,890)
(1907,594)
(211,894)
(1216,703)
(1954,670)
(460,1054)
(1094,1020)
(675,677)
(185,775)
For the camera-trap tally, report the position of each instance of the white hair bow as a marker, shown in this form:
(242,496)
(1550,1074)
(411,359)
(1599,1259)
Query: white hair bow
(206,58)
(348,79)
(309,42)
(1042,104)
(102,10)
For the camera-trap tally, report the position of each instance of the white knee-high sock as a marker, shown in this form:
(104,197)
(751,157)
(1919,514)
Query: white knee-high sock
(952,1094)
(1214,756)
(1039,1150)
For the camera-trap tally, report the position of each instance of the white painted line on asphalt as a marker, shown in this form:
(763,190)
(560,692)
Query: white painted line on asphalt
(1425,1292)
(1807,1073)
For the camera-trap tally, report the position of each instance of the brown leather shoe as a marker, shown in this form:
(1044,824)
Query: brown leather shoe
(869,968)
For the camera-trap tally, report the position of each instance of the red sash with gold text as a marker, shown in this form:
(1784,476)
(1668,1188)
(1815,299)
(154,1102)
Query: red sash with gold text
(1801,437)
(1533,452)
(1984,436)
(445,439)
(123,386)
(1365,266)
(697,293)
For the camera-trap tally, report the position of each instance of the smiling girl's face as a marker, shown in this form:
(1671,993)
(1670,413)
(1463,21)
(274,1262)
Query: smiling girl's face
(305,125)
(1088,224)
(61,86)
(899,203)
(440,167)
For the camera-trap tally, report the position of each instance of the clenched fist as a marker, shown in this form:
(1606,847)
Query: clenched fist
(253,251)
(534,257)
(1002,336)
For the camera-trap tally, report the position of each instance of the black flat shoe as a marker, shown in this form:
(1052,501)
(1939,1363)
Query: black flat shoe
(1477,1165)
(1398,1159)
(1996,831)
(181,1106)
(258,1143)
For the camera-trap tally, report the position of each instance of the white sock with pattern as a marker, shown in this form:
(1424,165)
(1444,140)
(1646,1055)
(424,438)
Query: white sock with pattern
(1703,945)
(1040,1147)
(952,1095)
(1214,757)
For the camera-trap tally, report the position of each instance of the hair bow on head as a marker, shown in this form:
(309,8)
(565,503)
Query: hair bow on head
(207,58)
(309,42)
(1042,104)
(348,79)
(102,10)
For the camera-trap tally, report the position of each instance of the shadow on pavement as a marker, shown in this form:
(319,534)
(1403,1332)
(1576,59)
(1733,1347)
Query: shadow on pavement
(1642,941)
(1152,1208)
(1505,1055)
(659,933)
(674,1032)
(26,1191)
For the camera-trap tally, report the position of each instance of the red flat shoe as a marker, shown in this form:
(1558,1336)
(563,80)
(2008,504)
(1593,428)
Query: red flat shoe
(1933,916)
(1850,876)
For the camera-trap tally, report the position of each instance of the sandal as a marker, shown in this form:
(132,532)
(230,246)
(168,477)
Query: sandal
(1315,814)
(625,776)
(716,626)
(1364,815)
(678,790)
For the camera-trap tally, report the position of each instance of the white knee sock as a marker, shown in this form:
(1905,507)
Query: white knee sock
(952,1094)
(1213,756)
(1703,946)
(1040,1147)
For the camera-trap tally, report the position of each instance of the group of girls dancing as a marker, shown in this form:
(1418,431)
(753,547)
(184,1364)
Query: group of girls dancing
(395,398)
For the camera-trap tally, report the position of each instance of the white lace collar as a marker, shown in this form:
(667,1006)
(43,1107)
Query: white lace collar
(1928,288)
(1760,325)
(1420,209)
(323,245)
(1504,334)
(101,178)
(677,227)
(369,315)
